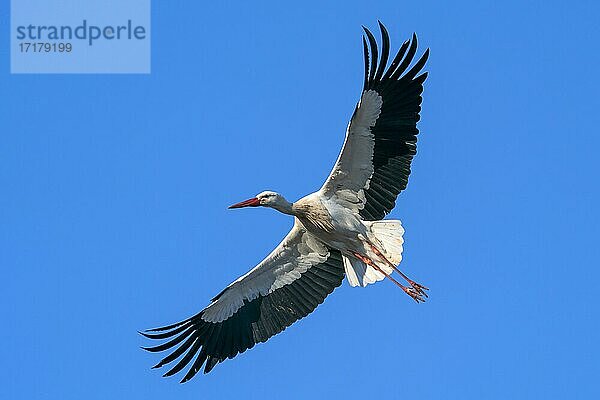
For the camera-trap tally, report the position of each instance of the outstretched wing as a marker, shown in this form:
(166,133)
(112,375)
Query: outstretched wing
(381,139)
(286,286)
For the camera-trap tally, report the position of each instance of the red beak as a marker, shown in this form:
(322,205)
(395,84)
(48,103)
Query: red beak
(253,202)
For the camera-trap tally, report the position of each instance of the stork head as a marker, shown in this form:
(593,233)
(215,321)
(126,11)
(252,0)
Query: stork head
(267,199)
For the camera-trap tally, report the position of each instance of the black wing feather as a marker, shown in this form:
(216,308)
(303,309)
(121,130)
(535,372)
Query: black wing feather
(395,131)
(255,322)
(374,55)
(385,52)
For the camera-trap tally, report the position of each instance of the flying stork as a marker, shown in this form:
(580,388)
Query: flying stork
(338,231)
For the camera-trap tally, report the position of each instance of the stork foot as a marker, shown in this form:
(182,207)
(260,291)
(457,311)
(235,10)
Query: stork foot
(412,292)
(417,287)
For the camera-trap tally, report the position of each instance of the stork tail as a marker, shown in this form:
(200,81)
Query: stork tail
(387,236)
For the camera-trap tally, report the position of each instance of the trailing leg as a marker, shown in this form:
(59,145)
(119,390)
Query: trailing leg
(411,291)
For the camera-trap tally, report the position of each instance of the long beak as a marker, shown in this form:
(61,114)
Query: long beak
(253,202)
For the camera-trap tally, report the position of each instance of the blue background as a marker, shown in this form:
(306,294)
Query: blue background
(114,191)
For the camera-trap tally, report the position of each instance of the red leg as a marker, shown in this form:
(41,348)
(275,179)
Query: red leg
(418,287)
(411,291)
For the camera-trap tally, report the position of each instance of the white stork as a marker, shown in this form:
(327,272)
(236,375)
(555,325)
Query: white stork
(338,231)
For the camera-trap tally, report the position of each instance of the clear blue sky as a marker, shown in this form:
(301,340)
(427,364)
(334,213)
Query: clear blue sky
(114,191)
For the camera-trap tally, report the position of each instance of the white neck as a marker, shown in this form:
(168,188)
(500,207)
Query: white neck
(283,206)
